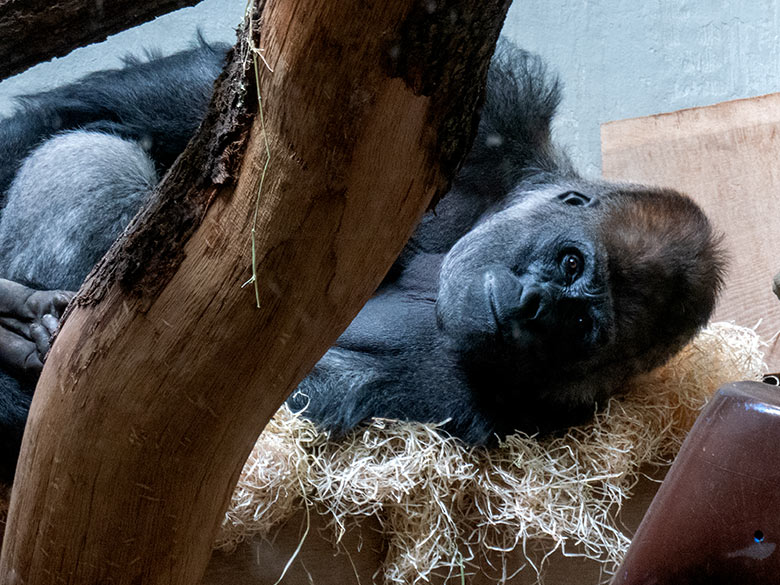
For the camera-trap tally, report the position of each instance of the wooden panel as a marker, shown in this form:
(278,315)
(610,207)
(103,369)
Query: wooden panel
(727,157)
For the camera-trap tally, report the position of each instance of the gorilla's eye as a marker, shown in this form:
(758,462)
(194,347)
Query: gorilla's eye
(574,199)
(584,322)
(572,266)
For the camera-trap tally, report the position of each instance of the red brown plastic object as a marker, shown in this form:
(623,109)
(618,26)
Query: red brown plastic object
(716,518)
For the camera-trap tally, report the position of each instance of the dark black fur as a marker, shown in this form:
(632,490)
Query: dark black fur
(479,323)
(158,102)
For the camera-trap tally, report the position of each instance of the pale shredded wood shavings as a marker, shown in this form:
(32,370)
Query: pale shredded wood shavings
(441,505)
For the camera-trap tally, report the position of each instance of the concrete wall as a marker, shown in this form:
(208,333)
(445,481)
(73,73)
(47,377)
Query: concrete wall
(618,58)
(623,59)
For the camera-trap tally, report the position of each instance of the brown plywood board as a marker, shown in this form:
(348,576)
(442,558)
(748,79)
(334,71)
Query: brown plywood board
(727,158)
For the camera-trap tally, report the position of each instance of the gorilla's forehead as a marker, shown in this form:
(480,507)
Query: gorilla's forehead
(537,225)
(541,209)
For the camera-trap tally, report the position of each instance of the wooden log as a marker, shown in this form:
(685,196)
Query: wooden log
(32,31)
(166,371)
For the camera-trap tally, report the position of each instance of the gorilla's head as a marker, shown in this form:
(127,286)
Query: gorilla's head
(572,287)
(666,268)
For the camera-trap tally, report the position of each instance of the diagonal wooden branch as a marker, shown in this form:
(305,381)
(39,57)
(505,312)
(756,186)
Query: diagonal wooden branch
(32,31)
(165,372)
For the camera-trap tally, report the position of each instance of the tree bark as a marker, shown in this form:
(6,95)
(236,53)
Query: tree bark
(32,31)
(166,371)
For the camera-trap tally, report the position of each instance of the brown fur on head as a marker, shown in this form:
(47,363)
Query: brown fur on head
(666,267)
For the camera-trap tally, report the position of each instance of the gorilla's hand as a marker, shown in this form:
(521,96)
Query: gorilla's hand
(28,319)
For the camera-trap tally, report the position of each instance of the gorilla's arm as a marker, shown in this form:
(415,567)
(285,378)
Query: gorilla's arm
(390,364)
(159,103)
(54,246)
(76,163)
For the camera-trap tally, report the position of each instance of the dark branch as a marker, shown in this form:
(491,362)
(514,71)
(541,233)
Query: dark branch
(32,31)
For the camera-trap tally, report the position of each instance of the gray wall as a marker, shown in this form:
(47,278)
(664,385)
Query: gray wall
(627,58)
(618,58)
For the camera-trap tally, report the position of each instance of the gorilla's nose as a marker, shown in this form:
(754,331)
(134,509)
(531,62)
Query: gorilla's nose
(513,300)
(529,306)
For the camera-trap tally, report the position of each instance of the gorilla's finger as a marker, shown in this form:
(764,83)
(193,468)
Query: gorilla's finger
(41,337)
(15,325)
(19,354)
(47,302)
(60,301)
(14,298)
(33,364)
(50,322)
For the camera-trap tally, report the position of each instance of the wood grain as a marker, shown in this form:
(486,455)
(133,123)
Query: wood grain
(166,371)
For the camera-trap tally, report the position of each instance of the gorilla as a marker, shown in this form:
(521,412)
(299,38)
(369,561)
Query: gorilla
(530,295)
(524,300)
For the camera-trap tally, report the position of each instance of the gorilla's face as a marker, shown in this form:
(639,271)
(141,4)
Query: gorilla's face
(527,288)
(573,288)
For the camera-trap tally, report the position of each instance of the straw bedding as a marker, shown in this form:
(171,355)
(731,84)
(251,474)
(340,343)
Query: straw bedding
(441,504)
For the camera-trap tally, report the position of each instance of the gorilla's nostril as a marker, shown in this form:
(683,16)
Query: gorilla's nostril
(530,304)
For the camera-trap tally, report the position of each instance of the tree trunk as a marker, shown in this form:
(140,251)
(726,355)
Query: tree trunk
(32,31)
(165,373)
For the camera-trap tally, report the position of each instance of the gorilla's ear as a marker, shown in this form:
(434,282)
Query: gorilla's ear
(576,199)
